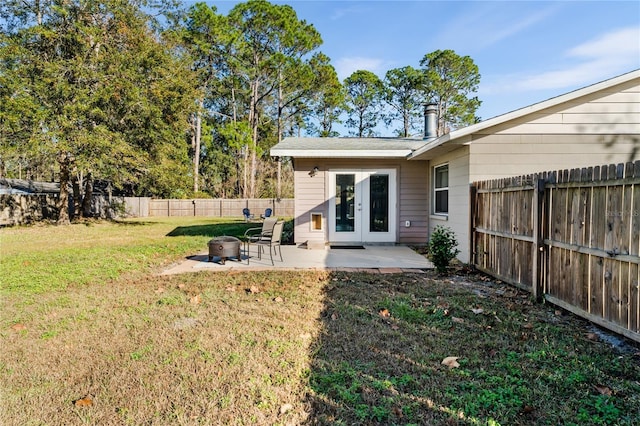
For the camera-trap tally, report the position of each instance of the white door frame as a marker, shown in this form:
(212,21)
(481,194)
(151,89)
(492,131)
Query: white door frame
(361,213)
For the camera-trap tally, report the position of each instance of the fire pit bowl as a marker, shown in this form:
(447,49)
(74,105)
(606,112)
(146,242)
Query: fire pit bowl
(224,248)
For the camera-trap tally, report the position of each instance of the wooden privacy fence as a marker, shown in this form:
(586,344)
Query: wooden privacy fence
(220,207)
(571,237)
(27,208)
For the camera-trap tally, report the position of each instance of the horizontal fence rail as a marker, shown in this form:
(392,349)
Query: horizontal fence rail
(572,237)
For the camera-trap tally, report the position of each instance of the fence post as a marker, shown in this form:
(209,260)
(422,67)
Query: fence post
(473,193)
(538,205)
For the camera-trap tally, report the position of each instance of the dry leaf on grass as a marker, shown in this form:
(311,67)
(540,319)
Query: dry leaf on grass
(528,326)
(398,412)
(195,300)
(603,390)
(284,408)
(451,361)
(278,299)
(384,313)
(458,320)
(477,311)
(83,402)
(527,409)
(592,336)
(18,327)
(334,316)
(253,290)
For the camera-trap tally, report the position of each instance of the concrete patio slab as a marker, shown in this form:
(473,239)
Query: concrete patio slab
(387,259)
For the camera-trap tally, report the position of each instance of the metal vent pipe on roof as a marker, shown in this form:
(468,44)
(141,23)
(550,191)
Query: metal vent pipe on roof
(430,117)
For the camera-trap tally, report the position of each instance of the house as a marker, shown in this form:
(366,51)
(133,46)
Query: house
(393,190)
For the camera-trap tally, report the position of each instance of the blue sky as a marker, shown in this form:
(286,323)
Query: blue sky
(526,51)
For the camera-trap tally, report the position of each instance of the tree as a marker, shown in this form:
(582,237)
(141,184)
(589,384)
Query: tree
(402,93)
(449,82)
(365,92)
(108,98)
(328,99)
(205,36)
(267,39)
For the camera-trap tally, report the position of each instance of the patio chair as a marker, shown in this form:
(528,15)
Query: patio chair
(272,240)
(255,234)
(247,214)
(267,213)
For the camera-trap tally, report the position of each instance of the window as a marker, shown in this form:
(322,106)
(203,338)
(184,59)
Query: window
(441,189)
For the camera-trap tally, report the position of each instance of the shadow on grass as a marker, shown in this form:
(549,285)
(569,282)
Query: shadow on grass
(378,357)
(132,223)
(234,229)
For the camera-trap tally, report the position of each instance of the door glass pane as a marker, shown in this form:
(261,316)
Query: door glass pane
(345,199)
(379,203)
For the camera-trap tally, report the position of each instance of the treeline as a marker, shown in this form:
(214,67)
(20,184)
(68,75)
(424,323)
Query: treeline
(173,102)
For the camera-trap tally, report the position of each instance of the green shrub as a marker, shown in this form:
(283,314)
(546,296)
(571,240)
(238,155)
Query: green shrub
(442,248)
(287,232)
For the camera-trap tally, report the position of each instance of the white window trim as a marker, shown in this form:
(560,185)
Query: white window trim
(434,189)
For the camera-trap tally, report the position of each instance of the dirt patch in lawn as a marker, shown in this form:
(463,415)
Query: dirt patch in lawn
(306,348)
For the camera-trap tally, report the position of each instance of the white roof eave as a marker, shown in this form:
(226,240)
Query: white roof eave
(430,145)
(347,153)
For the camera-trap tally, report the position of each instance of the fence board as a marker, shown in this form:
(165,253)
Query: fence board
(625,282)
(634,212)
(634,298)
(586,223)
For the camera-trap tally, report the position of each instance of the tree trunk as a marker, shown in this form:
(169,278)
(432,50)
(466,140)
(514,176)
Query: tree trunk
(406,125)
(88,196)
(253,120)
(280,102)
(254,164)
(196,153)
(38,12)
(77,196)
(64,161)
(279,188)
(245,173)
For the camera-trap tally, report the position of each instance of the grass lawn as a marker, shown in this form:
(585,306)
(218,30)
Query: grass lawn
(91,334)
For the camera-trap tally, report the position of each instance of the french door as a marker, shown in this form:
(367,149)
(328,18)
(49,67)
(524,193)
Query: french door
(362,205)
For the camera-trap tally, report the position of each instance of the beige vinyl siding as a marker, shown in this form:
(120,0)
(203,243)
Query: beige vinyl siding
(500,156)
(413,202)
(614,111)
(458,217)
(311,193)
(600,128)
